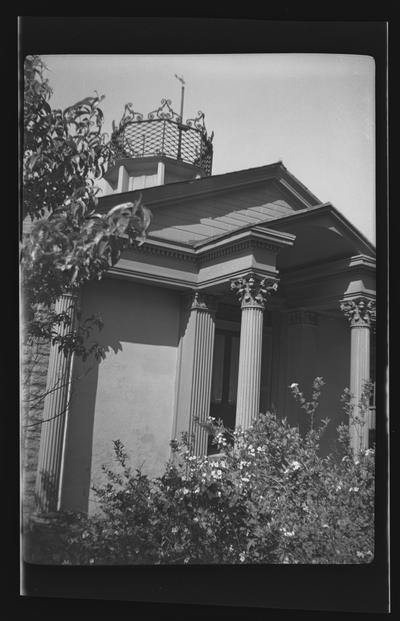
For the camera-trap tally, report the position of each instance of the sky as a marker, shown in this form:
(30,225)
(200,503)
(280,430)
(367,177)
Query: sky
(314,112)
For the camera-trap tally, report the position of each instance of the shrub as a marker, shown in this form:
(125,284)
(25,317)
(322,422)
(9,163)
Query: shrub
(268,496)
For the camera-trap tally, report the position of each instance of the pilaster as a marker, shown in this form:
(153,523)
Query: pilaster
(56,403)
(195,368)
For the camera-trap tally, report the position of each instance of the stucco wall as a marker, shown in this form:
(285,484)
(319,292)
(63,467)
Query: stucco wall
(128,396)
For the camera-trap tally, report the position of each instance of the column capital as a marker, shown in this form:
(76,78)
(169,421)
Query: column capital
(253,291)
(360,311)
(201,301)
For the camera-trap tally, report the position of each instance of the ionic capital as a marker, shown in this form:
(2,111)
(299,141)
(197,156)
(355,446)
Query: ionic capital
(253,291)
(360,311)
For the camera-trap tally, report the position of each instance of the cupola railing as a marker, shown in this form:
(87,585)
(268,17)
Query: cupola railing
(163,133)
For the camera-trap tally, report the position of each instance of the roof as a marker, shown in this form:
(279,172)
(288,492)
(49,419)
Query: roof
(192,211)
(190,214)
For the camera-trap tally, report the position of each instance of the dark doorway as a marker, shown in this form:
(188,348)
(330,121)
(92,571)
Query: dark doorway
(224,380)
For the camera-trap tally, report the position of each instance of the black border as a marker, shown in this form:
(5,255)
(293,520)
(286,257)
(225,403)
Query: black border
(361,588)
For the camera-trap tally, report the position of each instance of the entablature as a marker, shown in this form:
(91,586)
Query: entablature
(207,265)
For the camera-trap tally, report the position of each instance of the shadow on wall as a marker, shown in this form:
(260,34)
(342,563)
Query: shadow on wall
(132,315)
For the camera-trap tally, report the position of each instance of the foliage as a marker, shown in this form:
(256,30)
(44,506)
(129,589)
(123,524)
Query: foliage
(70,243)
(266,497)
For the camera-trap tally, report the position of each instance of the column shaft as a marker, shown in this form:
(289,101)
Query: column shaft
(252,292)
(54,417)
(361,313)
(195,370)
(248,395)
(202,373)
(359,374)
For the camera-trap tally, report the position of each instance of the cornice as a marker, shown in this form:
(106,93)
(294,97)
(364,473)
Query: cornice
(231,244)
(155,279)
(196,188)
(162,250)
(315,273)
(289,188)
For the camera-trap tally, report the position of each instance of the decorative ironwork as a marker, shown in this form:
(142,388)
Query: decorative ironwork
(163,134)
(197,122)
(165,112)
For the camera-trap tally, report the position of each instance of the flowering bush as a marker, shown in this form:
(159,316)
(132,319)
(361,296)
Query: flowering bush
(266,497)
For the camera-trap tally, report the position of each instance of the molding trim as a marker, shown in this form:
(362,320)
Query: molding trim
(161,250)
(294,193)
(310,273)
(231,244)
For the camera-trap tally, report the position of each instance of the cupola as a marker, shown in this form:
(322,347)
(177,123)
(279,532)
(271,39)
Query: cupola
(158,149)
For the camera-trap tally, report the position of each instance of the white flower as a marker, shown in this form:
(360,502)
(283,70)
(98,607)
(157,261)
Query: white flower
(286,532)
(174,529)
(245,479)
(354,489)
(360,554)
(185,490)
(293,466)
(294,385)
(242,557)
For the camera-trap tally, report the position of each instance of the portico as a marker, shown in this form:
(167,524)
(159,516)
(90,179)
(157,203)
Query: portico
(244,285)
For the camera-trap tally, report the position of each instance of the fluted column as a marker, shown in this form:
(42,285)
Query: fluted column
(361,313)
(54,416)
(252,292)
(195,373)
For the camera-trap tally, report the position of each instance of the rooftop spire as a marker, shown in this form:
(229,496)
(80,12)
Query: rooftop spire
(182,81)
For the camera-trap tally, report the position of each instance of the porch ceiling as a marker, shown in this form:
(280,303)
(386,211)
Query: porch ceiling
(322,235)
